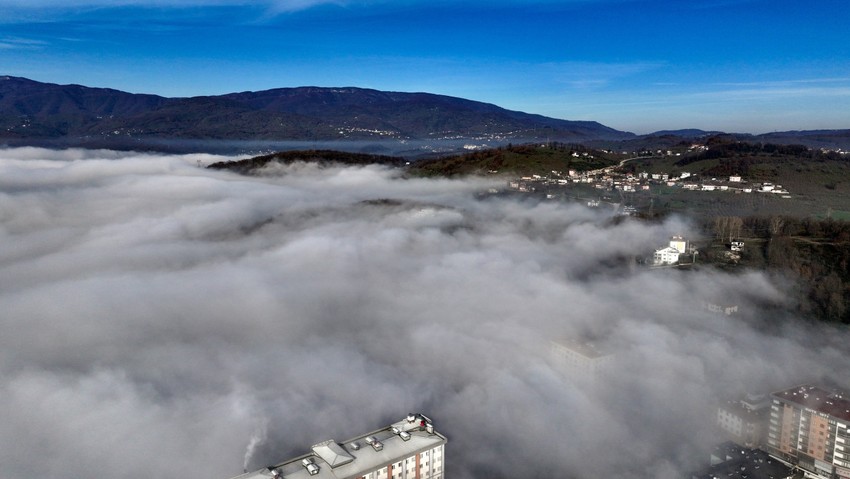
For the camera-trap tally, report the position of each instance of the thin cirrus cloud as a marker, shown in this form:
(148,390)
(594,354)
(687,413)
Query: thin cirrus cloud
(836,88)
(280,6)
(18,43)
(592,75)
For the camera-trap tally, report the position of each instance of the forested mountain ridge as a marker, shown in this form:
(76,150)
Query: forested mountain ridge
(35,110)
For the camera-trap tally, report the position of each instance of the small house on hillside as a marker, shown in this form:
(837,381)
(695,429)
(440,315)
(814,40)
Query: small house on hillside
(670,255)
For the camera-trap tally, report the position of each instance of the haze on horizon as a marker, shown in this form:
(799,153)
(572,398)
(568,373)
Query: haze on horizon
(636,65)
(162,319)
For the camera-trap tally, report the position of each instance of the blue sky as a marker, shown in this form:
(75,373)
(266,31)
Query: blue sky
(636,65)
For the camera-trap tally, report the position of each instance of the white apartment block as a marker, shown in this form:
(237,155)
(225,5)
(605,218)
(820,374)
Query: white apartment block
(408,449)
(581,359)
(670,255)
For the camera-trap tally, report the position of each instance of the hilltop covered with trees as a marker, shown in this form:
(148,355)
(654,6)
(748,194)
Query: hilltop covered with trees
(322,157)
(519,160)
(814,254)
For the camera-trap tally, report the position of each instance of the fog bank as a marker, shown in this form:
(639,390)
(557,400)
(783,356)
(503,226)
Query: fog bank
(160,319)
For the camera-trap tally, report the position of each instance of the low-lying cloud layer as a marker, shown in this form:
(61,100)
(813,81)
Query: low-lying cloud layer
(160,319)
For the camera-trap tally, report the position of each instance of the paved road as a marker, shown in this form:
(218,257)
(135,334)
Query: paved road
(608,169)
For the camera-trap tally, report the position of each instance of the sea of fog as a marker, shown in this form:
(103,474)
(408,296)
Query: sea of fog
(162,320)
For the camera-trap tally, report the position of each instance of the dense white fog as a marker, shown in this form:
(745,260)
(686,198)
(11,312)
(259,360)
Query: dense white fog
(164,320)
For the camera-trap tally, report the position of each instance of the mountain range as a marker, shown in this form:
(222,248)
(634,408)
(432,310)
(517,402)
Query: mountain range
(35,110)
(47,114)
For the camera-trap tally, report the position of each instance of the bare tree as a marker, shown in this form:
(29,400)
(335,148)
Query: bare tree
(735,225)
(776,224)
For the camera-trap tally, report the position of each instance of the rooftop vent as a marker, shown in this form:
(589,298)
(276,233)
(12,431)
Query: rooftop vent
(376,444)
(355,445)
(311,467)
(276,473)
(395,430)
(404,435)
(411,417)
(430,428)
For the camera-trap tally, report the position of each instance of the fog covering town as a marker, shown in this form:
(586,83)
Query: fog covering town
(164,320)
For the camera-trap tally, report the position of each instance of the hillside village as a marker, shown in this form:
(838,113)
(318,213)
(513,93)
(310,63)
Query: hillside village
(613,178)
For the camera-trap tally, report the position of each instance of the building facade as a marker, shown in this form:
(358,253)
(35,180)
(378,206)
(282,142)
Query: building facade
(670,254)
(679,243)
(810,427)
(408,449)
(744,420)
(581,359)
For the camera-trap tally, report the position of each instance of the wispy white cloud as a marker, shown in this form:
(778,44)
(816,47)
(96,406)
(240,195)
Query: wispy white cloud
(596,75)
(273,5)
(60,4)
(783,83)
(24,11)
(837,87)
(17,43)
(709,4)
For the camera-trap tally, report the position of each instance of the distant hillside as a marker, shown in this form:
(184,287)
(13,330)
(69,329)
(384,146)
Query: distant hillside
(667,139)
(33,111)
(684,133)
(511,160)
(831,139)
(518,160)
(323,157)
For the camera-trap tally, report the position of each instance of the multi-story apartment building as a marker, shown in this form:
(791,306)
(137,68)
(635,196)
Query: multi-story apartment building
(744,420)
(408,449)
(581,359)
(670,255)
(810,427)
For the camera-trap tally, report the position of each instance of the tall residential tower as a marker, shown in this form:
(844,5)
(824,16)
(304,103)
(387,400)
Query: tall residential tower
(810,427)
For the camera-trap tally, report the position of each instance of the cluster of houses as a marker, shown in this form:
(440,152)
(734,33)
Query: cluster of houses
(609,179)
(837,150)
